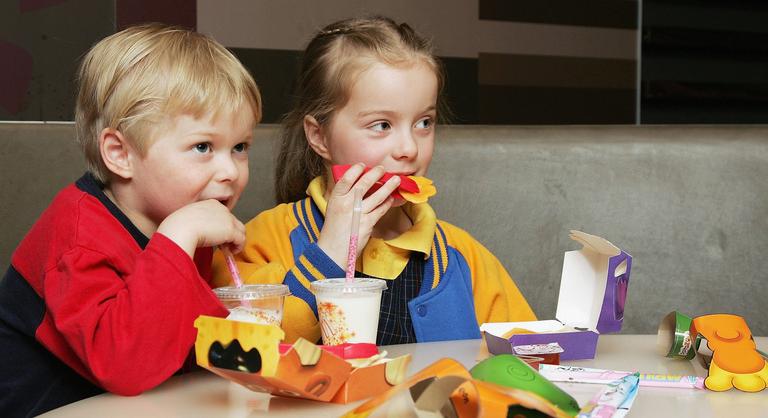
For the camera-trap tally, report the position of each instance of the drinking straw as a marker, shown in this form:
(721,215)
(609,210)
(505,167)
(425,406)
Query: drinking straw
(232,266)
(353,233)
(609,399)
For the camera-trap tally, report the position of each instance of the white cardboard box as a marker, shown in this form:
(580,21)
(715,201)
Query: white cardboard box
(593,290)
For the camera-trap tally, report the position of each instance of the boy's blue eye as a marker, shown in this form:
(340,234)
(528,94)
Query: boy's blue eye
(381,126)
(424,123)
(203,147)
(241,147)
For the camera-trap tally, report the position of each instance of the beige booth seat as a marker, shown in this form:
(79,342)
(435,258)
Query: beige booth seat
(689,203)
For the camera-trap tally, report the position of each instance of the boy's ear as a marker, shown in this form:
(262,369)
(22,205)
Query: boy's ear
(316,137)
(116,152)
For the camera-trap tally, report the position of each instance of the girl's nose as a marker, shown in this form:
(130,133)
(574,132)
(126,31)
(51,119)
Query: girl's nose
(406,147)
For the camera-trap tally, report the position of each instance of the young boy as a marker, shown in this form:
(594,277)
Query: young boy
(102,292)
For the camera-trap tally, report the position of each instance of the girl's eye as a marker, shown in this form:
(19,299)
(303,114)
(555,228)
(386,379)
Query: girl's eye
(381,126)
(241,147)
(424,123)
(203,147)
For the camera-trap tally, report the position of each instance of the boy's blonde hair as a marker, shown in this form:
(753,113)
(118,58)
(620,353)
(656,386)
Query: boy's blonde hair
(134,80)
(331,63)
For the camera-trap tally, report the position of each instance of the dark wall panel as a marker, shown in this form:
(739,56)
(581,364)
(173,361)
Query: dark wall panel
(461,90)
(559,89)
(601,13)
(176,12)
(704,62)
(274,72)
(554,71)
(41,43)
(533,89)
(518,105)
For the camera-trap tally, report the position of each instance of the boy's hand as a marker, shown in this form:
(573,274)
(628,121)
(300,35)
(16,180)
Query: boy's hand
(204,224)
(334,237)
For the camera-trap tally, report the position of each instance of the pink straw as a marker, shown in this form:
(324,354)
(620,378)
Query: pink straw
(232,266)
(353,233)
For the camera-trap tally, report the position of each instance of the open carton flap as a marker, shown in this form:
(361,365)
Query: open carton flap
(595,243)
(581,288)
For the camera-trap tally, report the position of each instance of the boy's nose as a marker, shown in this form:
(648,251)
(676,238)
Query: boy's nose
(227,169)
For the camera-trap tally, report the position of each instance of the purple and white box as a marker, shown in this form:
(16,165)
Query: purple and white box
(593,290)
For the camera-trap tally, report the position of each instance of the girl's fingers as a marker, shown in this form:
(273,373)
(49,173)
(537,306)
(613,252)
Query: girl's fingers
(380,196)
(377,212)
(349,179)
(356,178)
(367,180)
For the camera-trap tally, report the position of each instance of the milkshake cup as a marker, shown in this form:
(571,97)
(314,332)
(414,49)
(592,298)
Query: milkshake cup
(258,303)
(348,310)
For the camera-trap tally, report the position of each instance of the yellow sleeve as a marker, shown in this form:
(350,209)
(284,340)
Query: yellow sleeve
(268,258)
(497,298)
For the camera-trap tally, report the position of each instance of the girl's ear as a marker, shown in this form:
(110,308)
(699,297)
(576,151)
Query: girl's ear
(116,153)
(316,137)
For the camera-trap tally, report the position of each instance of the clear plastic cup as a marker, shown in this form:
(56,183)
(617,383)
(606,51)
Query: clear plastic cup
(348,311)
(259,303)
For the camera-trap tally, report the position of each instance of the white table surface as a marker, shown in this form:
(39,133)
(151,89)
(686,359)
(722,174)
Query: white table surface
(203,394)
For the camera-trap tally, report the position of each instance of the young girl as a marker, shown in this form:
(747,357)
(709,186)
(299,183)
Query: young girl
(368,95)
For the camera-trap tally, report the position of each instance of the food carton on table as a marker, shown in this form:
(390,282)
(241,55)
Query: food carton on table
(593,290)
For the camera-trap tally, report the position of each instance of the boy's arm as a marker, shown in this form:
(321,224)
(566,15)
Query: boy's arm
(268,258)
(497,298)
(129,331)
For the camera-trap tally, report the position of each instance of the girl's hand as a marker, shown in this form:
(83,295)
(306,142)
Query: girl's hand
(204,224)
(334,237)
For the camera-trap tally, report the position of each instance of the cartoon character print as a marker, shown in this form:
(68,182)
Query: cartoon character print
(333,323)
(735,360)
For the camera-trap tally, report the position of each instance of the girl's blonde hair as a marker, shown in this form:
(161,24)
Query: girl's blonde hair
(134,80)
(331,63)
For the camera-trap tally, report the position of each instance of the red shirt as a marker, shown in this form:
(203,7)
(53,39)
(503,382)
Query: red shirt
(111,305)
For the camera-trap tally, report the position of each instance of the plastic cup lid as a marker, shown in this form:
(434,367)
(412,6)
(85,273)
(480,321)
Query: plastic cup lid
(354,286)
(252,291)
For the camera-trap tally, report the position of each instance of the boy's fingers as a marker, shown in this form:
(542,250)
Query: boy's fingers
(234,248)
(238,241)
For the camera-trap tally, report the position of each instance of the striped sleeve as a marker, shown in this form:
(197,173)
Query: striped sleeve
(313,264)
(270,256)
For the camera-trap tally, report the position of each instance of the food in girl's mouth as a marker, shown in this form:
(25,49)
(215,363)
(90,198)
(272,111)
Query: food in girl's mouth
(415,189)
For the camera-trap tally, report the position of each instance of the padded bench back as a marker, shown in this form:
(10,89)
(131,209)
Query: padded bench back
(690,204)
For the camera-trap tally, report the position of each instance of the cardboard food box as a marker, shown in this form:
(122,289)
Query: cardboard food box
(593,290)
(445,389)
(248,354)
